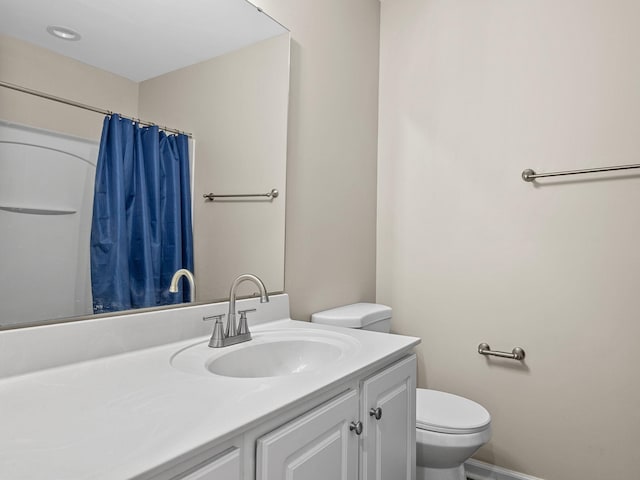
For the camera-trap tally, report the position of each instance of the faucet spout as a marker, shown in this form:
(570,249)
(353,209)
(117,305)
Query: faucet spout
(232,329)
(183,272)
(236,332)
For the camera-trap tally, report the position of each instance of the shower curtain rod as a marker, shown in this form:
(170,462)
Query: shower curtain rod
(87,107)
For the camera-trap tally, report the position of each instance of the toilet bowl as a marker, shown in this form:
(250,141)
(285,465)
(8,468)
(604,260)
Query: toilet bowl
(449,428)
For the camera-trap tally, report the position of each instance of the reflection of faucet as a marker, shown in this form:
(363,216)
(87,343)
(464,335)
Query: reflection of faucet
(236,333)
(183,272)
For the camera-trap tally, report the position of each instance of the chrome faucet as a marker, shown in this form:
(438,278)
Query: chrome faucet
(236,332)
(183,272)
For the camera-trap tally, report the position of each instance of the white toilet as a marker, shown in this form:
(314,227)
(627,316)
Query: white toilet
(449,428)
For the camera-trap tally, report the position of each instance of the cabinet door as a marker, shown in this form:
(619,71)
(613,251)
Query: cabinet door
(317,446)
(388,448)
(225,467)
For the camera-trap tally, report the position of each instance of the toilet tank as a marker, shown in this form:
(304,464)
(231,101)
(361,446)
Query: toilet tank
(366,316)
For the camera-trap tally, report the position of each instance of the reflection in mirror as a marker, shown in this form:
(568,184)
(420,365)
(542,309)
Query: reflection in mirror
(232,96)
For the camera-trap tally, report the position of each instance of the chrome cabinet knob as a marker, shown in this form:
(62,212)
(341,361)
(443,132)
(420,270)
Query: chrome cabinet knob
(376,412)
(356,427)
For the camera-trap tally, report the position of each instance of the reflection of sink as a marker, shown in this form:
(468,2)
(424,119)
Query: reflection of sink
(270,354)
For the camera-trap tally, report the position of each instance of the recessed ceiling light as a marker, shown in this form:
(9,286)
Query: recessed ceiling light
(64,33)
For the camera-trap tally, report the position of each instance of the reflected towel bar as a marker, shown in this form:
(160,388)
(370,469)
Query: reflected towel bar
(529,175)
(272,194)
(36,211)
(516,354)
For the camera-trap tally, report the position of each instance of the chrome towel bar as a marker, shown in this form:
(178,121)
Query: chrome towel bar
(516,354)
(37,211)
(272,194)
(529,175)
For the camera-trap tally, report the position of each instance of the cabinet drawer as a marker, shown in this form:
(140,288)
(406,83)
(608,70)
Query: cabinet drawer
(225,466)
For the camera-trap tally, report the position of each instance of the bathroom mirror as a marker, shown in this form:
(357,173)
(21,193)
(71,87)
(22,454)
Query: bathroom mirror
(217,69)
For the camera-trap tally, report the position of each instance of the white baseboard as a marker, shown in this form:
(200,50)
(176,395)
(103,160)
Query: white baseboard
(477,470)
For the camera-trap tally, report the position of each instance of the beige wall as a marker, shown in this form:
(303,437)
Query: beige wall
(471,94)
(236,107)
(33,67)
(331,163)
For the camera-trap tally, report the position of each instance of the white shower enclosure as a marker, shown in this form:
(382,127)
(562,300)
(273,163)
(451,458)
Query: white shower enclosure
(46,203)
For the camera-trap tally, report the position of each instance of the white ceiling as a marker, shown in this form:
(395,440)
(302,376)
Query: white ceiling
(139,39)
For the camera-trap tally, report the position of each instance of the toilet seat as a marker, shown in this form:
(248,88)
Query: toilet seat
(447,413)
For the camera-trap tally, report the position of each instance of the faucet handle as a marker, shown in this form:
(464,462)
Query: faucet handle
(243,327)
(218,336)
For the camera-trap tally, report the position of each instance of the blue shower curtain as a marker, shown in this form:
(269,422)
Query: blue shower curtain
(141,231)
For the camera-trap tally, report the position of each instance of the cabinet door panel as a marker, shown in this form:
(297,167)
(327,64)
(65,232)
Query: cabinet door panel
(388,445)
(225,467)
(316,446)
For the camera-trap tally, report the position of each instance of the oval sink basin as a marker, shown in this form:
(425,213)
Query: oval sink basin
(274,359)
(269,354)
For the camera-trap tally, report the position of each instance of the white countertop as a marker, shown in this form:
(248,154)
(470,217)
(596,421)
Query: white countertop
(120,416)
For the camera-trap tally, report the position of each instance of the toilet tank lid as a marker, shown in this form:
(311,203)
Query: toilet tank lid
(357,315)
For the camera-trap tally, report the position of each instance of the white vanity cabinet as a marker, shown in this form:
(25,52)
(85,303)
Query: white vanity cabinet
(365,434)
(174,421)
